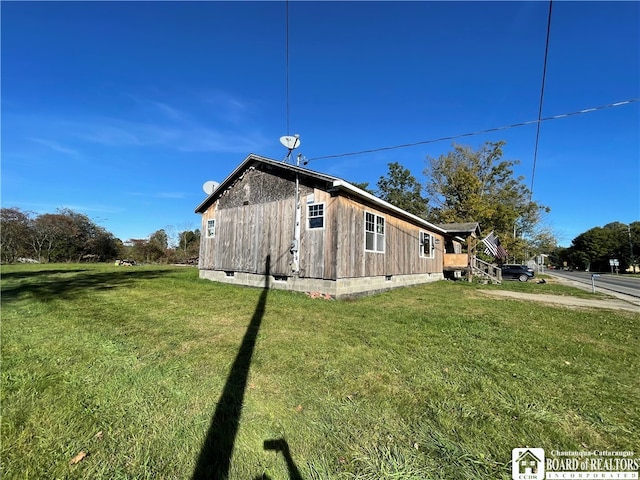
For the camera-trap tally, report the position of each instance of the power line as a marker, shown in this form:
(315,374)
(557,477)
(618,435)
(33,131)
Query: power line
(544,76)
(479,132)
(287,60)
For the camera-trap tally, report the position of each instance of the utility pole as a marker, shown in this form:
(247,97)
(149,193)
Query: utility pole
(633,265)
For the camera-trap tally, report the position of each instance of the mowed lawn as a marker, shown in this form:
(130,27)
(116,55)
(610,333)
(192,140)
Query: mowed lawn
(132,365)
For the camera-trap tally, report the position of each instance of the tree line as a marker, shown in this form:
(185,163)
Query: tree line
(463,185)
(592,250)
(479,185)
(69,236)
(473,185)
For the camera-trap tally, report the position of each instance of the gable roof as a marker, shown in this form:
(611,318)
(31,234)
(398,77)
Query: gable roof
(467,227)
(335,183)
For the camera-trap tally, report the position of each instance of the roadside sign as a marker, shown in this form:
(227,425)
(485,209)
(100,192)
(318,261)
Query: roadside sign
(614,262)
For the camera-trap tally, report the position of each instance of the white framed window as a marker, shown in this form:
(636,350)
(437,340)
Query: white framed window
(427,245)
(373,232)
(211,228)
(315,215)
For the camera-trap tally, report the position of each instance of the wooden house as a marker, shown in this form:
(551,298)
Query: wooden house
(275,224)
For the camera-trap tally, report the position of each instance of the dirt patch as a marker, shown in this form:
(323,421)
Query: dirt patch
(571,302)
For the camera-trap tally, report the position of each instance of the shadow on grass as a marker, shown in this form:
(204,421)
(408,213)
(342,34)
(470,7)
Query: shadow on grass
(35,273)
(214,459)
(281,445)
(47,287)
(215,456)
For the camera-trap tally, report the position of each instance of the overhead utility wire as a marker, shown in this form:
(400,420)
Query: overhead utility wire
(479,132)
(287,61)
(544,76)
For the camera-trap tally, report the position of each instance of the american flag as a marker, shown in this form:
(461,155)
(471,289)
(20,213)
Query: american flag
(493,247)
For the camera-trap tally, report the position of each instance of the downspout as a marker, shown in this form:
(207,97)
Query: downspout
(295,243)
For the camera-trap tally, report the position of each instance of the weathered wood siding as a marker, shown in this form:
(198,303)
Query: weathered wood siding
(402,245)
(317,251)
(255,218)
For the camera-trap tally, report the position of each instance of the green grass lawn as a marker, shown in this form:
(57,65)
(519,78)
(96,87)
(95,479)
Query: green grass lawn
(131,365)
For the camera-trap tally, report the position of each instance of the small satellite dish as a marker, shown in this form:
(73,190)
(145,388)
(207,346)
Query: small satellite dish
(210,186)
(290,141)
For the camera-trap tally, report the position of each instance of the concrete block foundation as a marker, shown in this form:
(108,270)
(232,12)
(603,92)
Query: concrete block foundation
(340,288)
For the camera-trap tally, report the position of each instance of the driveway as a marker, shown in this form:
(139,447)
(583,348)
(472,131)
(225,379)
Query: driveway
(619,302)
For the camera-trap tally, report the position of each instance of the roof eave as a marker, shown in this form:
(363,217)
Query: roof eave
(346,186)
(253,157)
(207,201)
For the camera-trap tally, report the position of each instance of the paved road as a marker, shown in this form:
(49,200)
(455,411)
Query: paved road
(606,281)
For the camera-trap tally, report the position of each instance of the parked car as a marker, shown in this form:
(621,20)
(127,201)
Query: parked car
(517,272)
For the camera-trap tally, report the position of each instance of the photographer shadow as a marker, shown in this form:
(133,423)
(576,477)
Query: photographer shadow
(214,460)
(281,445)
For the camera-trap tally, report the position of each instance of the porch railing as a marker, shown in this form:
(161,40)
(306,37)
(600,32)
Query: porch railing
(486,270)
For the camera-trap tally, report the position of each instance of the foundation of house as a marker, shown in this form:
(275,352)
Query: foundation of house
(340,288)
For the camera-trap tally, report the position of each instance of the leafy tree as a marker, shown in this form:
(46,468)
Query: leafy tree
(467,185)
(363,186)
(400,188)
(70,236)
(579,260)
(53,237)
(14,234)
(138,250)
(63,236)
(103,245)
(544,241)
(592,250)
(188,244)
(558,256)
(158,245)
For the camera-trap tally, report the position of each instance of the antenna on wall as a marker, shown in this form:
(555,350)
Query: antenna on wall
(210,186)
(290,142)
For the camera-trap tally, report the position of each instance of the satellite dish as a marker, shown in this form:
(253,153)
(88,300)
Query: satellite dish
(210,186)
(290,141)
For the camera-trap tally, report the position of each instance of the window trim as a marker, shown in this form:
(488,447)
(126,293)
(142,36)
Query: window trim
(323,216)
(376,236)
(432,244)
(208,230)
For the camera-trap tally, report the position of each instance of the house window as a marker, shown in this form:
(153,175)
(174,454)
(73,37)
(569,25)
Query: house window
(427,245)
(373,232)
(211,228)
(315,217)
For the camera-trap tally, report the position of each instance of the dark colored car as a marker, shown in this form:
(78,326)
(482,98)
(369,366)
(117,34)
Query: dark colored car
(517,272)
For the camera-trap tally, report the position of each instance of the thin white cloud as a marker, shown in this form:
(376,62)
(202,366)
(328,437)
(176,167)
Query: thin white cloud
(184,138)
(211,140)
(226,106)
(222,126)
(161,195)
(55,146)
(106,134)
(171,195)
(49,207)
(169,111)
(153,107)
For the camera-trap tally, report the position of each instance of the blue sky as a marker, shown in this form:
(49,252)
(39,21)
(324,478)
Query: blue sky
(122,110)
